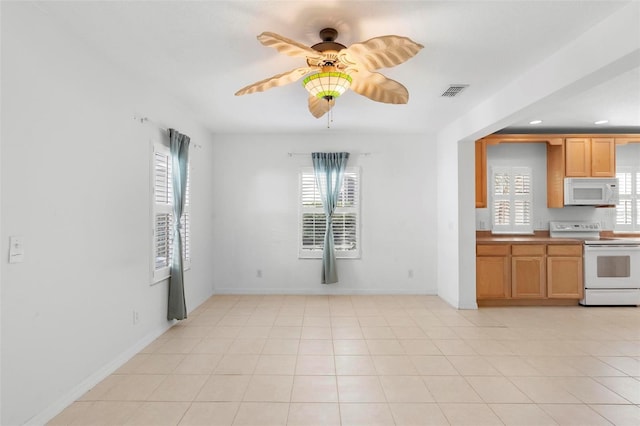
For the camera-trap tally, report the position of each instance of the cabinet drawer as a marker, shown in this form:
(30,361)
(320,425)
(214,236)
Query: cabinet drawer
(492,249)
(528,250)
(565,250)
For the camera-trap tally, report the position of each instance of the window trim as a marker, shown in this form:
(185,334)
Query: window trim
(161,274)
(340,254)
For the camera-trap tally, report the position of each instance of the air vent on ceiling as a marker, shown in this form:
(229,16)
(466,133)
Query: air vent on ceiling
(454,90)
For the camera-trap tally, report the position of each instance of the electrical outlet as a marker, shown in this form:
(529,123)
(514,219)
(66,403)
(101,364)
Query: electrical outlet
(16,250)
(136,317)
(259,273)
(410,274)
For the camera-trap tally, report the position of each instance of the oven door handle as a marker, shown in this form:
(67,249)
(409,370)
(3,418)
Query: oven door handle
(617,247)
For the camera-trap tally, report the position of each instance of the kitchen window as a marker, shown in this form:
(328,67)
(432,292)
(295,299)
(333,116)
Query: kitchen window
(346,218)
(512,200)
(628,207)
(163,216)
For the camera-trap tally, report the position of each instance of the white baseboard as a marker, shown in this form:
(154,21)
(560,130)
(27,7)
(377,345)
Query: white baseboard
(324,290)
(56,408)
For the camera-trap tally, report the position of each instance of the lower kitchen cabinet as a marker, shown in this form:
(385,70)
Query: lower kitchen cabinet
(564,272)
(492,272)
(527,277)
(528,273)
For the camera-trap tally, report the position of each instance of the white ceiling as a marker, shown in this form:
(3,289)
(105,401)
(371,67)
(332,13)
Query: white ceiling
(204,51)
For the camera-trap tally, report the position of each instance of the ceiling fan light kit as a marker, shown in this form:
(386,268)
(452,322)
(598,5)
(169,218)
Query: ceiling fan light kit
(333,68)
(327,84)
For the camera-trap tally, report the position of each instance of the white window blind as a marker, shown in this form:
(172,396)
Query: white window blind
(163,216)
(628,207)
(346,232)
(512,200)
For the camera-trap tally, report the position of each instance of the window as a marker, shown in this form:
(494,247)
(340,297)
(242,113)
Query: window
(346,218)
(512,200)
(163,216)
(628,208)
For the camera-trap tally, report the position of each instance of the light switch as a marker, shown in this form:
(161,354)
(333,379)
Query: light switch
(16,250)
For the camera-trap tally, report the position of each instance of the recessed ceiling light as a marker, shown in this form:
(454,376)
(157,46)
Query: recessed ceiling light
(535,122)
(601,122)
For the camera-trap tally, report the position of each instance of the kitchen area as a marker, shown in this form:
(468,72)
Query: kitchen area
(557,219)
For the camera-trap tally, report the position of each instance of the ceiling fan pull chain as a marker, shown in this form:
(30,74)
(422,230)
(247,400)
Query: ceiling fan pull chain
(329,114)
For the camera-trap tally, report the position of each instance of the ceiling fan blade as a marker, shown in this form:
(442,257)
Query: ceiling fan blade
(377,87)
(385,51)
(319,107)
(275,81)
(287,46)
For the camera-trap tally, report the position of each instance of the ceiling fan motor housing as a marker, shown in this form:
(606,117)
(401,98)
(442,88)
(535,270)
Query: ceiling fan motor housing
(329,47)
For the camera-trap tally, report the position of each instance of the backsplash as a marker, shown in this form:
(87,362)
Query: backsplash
(542,217)
(534,155)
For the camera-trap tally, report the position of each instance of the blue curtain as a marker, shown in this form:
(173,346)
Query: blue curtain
(179,147)
(329,168)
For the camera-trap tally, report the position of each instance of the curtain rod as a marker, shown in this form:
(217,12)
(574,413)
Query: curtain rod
(143,120)
(297,154)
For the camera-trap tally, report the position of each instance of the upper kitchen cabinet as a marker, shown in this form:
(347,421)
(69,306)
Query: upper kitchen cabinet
(590,157)
(568,155)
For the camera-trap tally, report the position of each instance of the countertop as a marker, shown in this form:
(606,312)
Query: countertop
(542,237)
(539,237)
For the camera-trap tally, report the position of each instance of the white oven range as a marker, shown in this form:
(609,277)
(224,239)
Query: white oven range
(611,272)
(611,265)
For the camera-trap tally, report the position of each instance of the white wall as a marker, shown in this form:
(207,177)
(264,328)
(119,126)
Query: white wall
(628,155)
(76,186)
(534,155)
(258,182)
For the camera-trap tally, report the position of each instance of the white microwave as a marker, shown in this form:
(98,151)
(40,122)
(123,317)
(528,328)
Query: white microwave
(590,191)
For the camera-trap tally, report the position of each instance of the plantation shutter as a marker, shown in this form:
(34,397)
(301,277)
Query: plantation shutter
(162,194)
(512,200)
(627,217)
(163,216)
(345,218)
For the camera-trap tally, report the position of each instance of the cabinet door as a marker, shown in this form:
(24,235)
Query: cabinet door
(528,277)
(492,277)
(564,277)
(555,176)
(577,157)
(603,152)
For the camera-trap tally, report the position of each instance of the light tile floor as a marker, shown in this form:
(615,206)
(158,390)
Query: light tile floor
(376,360)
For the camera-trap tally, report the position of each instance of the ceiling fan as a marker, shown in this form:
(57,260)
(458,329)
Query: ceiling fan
(332,68)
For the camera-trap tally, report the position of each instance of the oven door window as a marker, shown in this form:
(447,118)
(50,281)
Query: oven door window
(613,266)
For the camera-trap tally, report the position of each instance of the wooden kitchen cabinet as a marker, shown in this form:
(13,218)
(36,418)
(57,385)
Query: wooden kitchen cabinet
(603,157)
(568,155)
(493,271)
(590,157)
(537,273)
(564,272)
(555,176)
(481,174)
(528,267)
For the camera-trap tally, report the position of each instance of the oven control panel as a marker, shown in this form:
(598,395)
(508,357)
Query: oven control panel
(582,230)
